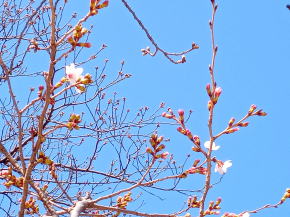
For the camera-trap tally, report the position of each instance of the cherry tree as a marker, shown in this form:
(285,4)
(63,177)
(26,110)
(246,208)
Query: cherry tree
(70,146)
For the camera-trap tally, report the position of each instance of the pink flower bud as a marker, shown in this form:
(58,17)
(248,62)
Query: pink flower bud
(231,122)
(181,130)
(159,139)
(189,134)
(164,155)
(218,201)
(149,150)
(40,87)
(181,112)
(181,115)
(169,116)
(252,109)
(208,90)
(217,92)
(196,140)
(231,130)
(160,148)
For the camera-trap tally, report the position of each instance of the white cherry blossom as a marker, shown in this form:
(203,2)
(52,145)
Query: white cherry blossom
(73,74)
(214,146)
(222,167)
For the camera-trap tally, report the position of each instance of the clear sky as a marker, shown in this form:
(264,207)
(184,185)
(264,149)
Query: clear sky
(252,68)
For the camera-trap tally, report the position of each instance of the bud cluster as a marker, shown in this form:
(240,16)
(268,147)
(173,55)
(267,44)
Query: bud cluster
(122,202)
(43,159)
(95,6)
(233,127)
(213,208)
(82,80)
(73,122)
(192,202)
(31,207)
(157,147)
(213,95)
(194,169)
(252,111)
(11,179)
(78,33)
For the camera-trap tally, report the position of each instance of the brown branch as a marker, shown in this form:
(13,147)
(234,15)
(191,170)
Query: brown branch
(156,46)
(211,111)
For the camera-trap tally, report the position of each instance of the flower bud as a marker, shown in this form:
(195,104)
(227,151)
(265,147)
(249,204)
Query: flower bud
(208,90)
(196,162)
(196,140)
(149,150)
(231,130)
(181,115)
(181,130)
(164,155)
(252,109)
(160,148)
(231,122)
(217,91)
(169,116)
(244,124)
(261,113)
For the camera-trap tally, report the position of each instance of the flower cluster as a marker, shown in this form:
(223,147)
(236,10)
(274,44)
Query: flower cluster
(43,159)
(213,208)
(75,77)
(95,6)
(214,94)
(122,202)
(194,169)
(31,207)
(73,122)
(11,179)
(157,147)
(78,33)
(192,202)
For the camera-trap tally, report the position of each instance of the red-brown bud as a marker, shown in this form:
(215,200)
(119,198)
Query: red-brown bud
(261,113)
(244,124)
(196,162)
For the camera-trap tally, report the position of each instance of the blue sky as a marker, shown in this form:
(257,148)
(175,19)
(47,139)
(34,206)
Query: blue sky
(252,68)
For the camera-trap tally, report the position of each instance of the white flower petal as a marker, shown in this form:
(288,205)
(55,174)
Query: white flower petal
(218,169)
(74,74)
(246,214)
(214,146)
